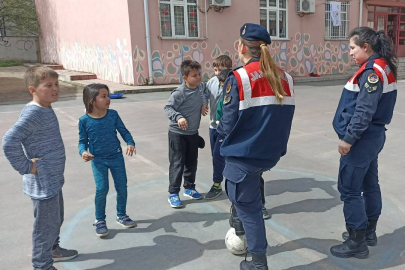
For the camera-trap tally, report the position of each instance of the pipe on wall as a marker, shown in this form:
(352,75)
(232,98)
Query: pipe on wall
(148,50)
(361,13)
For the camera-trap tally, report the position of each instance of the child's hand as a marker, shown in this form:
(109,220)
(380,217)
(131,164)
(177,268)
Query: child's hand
(34,166)
(131,150)
(344,148)
(204,109)
(87,156)
(217,122)
(182,123)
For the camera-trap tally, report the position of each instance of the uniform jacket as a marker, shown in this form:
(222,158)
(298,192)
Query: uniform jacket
(367,102)
(256,126)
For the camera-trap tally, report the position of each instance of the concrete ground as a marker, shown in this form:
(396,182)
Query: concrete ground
(301,196)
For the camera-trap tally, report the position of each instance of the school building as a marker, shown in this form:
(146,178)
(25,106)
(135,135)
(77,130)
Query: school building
(140,42)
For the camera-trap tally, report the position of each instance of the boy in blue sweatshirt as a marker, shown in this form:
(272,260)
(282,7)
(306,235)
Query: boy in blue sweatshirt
(184,109)
(35,149)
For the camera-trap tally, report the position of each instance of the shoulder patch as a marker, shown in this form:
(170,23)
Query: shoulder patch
(373,78)
(227,99)
(228,87)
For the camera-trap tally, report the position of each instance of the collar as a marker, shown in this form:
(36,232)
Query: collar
(255,59)
(373,57)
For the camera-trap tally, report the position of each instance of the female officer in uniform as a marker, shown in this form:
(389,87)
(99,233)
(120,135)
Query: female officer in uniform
(366,106)
(257,116)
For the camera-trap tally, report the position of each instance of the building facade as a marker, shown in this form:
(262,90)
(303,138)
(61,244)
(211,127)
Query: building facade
(110,38)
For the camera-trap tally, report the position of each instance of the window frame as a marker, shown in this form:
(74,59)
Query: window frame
(184,4)
(329,24)
(277,9)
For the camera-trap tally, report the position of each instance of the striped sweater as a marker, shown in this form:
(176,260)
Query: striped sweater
(36,135)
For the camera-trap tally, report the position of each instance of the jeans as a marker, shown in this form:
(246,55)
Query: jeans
(218,161)
(100,168)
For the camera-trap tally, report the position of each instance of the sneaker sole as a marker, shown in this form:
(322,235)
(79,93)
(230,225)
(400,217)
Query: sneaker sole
(58,259)
(102,234)
(266,217)
(192,197)
(174,206)
(216,196)
(127,226)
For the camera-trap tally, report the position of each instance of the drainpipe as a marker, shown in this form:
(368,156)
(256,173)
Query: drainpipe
(147,30)
(361,13)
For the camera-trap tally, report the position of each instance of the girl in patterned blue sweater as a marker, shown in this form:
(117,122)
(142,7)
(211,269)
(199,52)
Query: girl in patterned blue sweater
(98,143)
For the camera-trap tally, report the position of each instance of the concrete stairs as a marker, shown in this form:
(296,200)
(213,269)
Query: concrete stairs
(401,68)
(66,75)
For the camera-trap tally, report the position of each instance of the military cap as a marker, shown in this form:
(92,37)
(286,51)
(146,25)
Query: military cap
(254,32)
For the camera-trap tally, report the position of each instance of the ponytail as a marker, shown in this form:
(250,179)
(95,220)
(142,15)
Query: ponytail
(271,72)
(379,43)
(267,65)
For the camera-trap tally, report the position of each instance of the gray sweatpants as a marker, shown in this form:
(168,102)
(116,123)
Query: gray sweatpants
(48,218)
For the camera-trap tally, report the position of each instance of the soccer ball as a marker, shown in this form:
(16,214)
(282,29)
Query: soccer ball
(235,244)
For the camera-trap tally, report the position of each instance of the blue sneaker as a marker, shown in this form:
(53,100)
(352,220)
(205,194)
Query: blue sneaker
(174,200)
(126,222)
(192,193)
(101,228)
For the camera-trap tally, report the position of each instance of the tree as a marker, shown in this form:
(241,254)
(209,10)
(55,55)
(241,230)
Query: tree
(19,17)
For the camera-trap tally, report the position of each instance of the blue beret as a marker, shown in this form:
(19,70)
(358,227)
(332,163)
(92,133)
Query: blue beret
(254,32)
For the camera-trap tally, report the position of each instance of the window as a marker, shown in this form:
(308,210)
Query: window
(179,18)
(337,32)
(273,16)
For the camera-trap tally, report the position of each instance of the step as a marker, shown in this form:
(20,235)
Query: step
(52,66)
(69,76)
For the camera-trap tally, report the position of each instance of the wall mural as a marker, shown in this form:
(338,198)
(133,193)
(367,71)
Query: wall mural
(300,58)
(116,63)
(303,57)
(166,66)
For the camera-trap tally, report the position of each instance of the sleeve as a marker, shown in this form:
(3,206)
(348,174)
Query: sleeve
(172,105)
(207,91)
(219,109)
(125,134)
(230,113)
(12,142)
(204,90)
(83,138)
(371,89)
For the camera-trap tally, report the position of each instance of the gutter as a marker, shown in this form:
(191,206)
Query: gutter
(148,50)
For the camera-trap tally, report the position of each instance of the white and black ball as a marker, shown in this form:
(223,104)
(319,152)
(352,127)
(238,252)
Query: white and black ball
(235,244)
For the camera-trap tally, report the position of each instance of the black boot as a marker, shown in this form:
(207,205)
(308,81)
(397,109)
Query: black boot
(235,222)
(354,246)
(371,236)
(258,262)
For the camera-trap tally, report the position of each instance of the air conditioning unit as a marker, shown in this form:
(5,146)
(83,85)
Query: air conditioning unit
(305,6)
(220,3)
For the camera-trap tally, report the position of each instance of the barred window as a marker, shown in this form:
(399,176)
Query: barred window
(273,16)
(179,18)
(337,32)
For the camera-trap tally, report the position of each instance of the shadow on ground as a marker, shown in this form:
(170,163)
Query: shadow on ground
(168,252)
(166,222)
(389,252)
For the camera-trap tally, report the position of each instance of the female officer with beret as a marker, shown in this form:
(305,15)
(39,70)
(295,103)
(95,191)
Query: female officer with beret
(366,106)
(257,116)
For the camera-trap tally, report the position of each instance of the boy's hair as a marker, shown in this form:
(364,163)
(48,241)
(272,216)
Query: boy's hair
(189,65)
(223,75)
(34,75)
(222,60)
(90,92)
